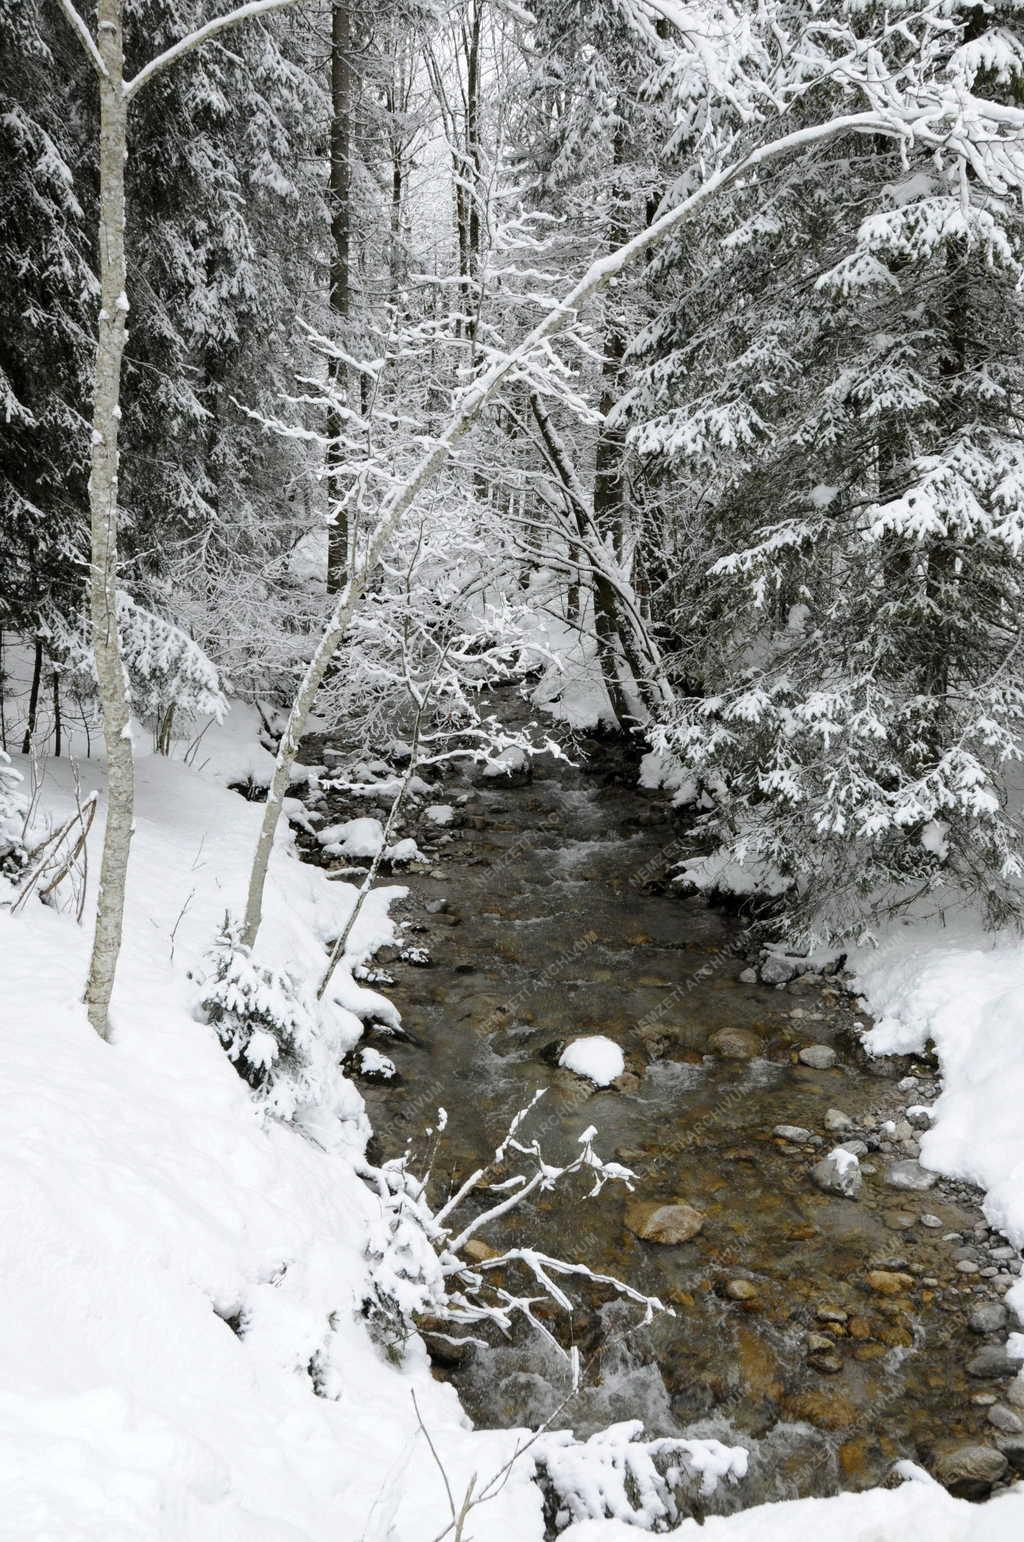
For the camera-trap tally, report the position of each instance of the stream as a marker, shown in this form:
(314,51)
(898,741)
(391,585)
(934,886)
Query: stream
(829,1336)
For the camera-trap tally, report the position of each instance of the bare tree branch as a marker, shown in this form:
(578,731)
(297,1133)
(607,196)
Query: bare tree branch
(85,37)
(194,39)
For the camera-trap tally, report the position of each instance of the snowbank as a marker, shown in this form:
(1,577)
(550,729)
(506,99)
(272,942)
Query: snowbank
(180,1278)
(964,989)
(922,1509)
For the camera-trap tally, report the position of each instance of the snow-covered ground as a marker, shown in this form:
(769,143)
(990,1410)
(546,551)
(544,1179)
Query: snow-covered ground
(144,1203)
(147,1212)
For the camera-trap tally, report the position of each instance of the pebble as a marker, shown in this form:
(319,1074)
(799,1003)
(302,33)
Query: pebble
(992,1362)
(821,1057)
(792,1132)
(748,977)
(987,1317)
(1005,1419)
(967,1266)
(889,1282)
(818,1343)
(831,1314)
(667,1224)
(741,1290)
(1015,1392)
(856,1148)
(837,1121)
(898,1220)
(735,1044)
(910,1175)
(984,1399)
(931,1221)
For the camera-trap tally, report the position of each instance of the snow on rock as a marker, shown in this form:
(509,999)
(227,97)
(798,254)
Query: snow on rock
(404,851)
(373,1064)
(839,1173)
(722,874)
(599,1059)
(363,837)
(512,761)
(617,1475)
(440,813)
(659,769)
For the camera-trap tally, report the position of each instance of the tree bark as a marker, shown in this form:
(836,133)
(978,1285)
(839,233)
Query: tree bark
(33,698)
(103,476)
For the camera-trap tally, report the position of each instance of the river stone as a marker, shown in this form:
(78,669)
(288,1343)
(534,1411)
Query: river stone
(890,1282)
(748,977)
(792,1132)
(933,1222)
(1005,1419)
(820,1057)
(735,1044)
(987,1317)
(838,1173)
(970,1471)
(778,971)
(1012,1446)
(992,1361)
(1015,1392)
(838,1122)
(667,1224)
(910,1175)
(741,1290)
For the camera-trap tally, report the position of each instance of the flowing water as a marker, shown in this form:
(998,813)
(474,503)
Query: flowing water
(559,924)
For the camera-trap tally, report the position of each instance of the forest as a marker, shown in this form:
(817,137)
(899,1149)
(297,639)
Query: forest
(511,829)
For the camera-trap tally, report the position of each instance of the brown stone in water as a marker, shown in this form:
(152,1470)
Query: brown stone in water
(741,1290)
(479,1251)
(889,1282)
(667,1223)
(859,1328)
(735,1044)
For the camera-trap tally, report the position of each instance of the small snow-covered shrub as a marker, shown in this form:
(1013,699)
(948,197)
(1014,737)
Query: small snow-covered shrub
(617,1476)
(421,1263)
(167,672)
(12,819)
(280,1039)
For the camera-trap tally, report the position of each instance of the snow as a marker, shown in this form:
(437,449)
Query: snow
(362,837)
(951,982)
(145,1207)
(599,1059)
(144,1202)
(918,1507)
(440,813)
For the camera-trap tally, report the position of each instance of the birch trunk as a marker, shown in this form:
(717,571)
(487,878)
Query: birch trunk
(340,276)
(103,471)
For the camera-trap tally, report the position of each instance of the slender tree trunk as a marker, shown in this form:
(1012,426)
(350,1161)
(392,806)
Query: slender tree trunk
(103,473)
(340,273)
(33,698)
(57,720)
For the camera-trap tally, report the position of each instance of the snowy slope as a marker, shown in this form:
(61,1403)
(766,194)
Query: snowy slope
(142,1202)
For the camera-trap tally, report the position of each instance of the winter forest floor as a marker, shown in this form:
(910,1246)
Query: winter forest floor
(181,1279)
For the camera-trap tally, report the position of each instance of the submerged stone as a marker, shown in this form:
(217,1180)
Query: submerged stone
(667,1224)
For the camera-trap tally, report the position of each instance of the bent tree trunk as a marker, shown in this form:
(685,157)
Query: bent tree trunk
(103,471)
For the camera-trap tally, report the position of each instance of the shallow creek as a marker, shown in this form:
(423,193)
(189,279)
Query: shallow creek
(557,925)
